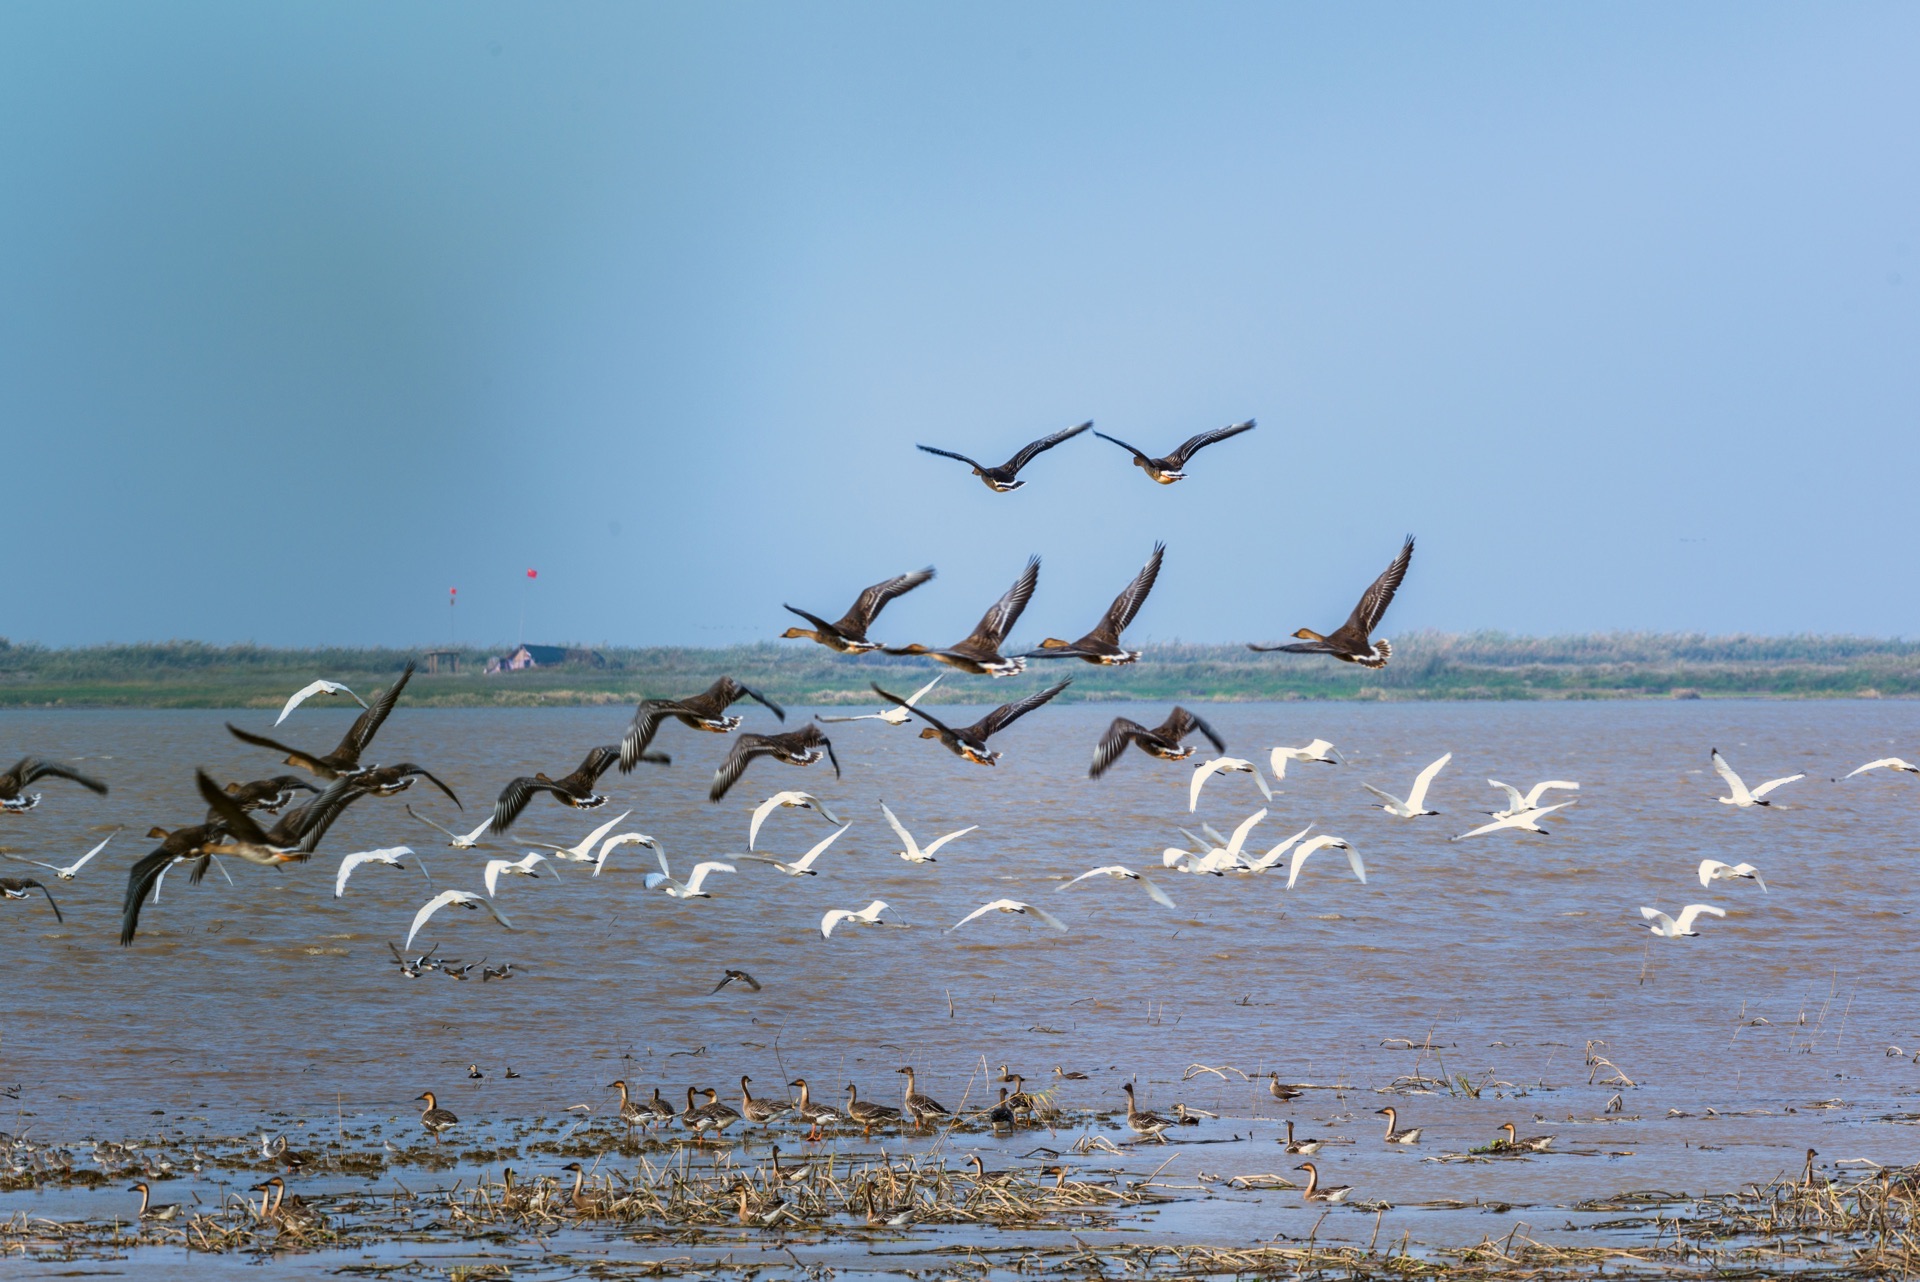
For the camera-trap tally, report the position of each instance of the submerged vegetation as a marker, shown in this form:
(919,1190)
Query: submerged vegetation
(1429,665)
(654,1208)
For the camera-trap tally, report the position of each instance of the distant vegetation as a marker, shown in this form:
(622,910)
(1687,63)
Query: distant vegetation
(185,674)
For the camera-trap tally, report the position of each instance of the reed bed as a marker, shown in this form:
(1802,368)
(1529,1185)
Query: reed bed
(720,1208)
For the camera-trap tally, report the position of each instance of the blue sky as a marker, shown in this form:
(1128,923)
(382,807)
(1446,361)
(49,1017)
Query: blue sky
(308,313)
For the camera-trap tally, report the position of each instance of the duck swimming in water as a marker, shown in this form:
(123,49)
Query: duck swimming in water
(1352,641)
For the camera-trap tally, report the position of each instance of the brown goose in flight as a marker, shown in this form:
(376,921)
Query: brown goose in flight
(1163,741)
(1352,641)
(344,761)
(1001,479)
(27,770)
(17,888)
(800,747)
(576,789)
(971,741)
(182,845)
(979,653)
(268,794)
(391,781)
(292,840)
(849,635)
(704,711)
(1173,467)
(1102,645)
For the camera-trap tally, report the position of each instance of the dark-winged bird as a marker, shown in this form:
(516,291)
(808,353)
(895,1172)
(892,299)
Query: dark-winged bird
(800,747)
(1173,467)
(979,652)
(390,781)
(344,761)
(704,711)
(268,794)
(1102,645)
(28,770)
(971,741)
(576,789)
(849,635)
(292,840)
(1002,479)
(1163,741)
(1352,641)
(17,888)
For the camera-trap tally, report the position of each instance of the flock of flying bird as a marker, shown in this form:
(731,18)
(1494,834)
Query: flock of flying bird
(234,823)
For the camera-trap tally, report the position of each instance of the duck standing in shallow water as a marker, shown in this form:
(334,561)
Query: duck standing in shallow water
(849,635)
(1102,645)
(1352,641)
(433,1118)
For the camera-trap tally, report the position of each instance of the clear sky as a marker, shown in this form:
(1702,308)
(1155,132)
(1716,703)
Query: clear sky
(311,312)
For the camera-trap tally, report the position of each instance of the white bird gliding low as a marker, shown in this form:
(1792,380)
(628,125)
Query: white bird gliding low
(1010,906)
(1742,796)
(1416,803)
(583,852)
(781,800)
(1667,928)
(521,867)
(896,715)
(1525,821)
(1223,765)
(68,873)
(1712,870)
(391,856)
(868,916)
(1319,750)
(1326,843)
(454,839)
(913,854)
(1154,892)
(803,866)
(318,687)
(690,888)
(465,899)
(1885,763)
(614,843)
(1519,805)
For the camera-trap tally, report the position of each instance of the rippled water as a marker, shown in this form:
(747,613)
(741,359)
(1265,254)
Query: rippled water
(1508,953)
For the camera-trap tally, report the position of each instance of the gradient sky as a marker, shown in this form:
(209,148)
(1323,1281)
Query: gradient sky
(310,312)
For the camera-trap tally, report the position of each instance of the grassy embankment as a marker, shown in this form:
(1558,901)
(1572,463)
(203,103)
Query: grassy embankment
(1425,666)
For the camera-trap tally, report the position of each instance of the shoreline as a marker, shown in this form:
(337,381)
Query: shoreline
(1427,667)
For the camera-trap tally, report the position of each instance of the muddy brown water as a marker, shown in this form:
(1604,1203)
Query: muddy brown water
(1503,957)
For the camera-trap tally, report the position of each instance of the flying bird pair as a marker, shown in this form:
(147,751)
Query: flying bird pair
(1165,470)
